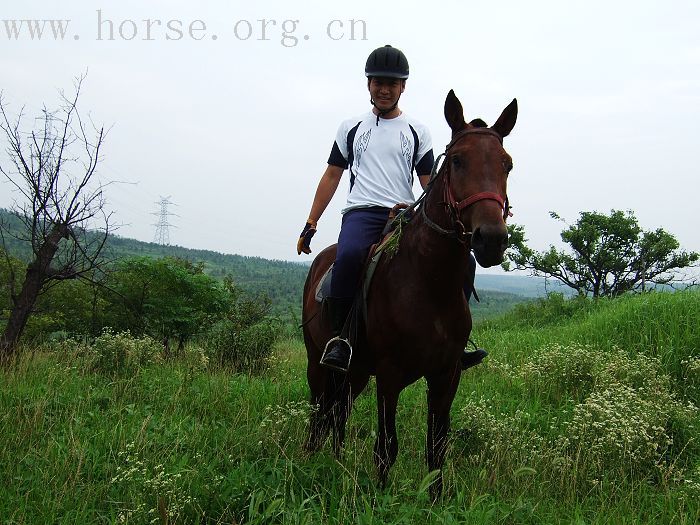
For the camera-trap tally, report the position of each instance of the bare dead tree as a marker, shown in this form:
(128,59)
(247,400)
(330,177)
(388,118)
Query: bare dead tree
(60,203)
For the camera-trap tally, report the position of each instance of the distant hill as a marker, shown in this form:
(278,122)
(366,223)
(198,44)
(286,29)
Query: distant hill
(283,281)
(520,285)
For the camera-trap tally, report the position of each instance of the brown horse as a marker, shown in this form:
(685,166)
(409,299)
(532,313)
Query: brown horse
(417,318)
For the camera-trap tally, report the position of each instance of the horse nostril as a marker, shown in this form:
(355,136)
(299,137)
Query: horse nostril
(477,239)
(485,237)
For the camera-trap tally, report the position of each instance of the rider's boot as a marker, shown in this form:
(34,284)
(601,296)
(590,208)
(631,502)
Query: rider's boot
(338,351)
(470,359)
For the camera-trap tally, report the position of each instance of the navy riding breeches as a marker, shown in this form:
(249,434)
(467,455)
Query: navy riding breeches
(360,229)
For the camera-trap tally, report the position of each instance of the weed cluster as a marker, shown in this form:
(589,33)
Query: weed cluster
(154,494)
(617,418)
(280,421)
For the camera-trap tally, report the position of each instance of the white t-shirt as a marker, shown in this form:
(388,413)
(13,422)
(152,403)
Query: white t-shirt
(382,156)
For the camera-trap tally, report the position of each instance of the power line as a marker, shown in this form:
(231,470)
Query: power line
(162,235)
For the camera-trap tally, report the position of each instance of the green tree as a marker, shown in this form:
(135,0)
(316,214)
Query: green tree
(609,255)
(164,298)
(74,306)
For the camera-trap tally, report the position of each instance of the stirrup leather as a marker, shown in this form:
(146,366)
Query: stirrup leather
(337,338)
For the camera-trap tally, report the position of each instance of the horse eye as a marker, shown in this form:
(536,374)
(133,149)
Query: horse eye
(508,166)
(456,162)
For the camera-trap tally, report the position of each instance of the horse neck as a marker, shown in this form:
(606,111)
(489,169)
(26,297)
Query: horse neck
(439,253)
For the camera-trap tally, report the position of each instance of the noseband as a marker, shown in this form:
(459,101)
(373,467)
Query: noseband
(451,203)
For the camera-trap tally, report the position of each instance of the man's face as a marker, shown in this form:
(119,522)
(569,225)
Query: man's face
(385,91)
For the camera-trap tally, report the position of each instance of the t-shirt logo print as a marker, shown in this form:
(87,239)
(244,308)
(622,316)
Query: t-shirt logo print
(361,145)
(407,150)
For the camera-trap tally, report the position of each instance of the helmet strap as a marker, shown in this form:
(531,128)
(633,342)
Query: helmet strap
(382,112)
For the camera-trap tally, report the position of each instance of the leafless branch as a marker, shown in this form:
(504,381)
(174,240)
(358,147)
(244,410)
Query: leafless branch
(54,174)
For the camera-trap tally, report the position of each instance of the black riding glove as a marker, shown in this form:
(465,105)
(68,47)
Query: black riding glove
(304,242)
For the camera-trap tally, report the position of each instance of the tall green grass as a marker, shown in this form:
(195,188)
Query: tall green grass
(661,325)
(584,413)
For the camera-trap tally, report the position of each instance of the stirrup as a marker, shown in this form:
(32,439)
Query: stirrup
(331,365)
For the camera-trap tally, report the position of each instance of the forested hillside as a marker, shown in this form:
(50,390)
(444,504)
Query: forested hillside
(283,281)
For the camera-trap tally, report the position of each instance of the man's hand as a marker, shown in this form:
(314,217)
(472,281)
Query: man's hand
(304,242)
(396,209)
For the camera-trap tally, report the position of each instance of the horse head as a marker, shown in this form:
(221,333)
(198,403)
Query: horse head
(476,168)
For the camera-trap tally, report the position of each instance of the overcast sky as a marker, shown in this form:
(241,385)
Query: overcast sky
(231,108)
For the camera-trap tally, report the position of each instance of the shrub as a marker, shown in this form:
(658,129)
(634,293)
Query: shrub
(246,349)
(120,353)
(692,482)
(285,422)
(560,372)
(157,493)
(690,377)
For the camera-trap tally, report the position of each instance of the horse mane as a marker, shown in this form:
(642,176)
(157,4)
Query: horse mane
(478,123)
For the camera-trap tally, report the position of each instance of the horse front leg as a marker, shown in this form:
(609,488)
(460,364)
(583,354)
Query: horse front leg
(386,446)
(441,392)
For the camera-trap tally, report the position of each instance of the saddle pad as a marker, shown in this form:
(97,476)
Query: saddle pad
(323,289)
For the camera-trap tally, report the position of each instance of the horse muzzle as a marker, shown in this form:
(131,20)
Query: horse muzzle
(489,243)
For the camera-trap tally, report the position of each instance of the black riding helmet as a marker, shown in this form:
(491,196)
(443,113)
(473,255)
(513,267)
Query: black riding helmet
(387,62)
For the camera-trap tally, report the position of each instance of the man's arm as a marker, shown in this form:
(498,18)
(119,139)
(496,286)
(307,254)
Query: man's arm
(325,191)
(424,167)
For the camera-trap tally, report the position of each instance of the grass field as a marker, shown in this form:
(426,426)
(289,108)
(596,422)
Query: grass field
(584,413)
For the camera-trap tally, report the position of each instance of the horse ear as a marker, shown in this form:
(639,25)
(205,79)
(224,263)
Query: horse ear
(505,123)
(454,114)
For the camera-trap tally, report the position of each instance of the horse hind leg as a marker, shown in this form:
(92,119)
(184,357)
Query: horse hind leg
(319,419)
(338,390)
(347,389)
(319,427)
(330,410)
(332,396)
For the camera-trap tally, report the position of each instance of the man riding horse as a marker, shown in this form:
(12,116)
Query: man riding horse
(382,149)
